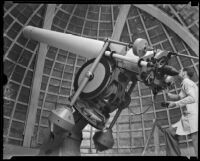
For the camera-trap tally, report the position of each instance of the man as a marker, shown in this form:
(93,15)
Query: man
(188,124)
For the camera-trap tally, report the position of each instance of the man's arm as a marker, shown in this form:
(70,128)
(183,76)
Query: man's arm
(190,95)
(173,97)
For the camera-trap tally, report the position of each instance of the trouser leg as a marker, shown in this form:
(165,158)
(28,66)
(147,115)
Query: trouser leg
(172,145)
(195,142)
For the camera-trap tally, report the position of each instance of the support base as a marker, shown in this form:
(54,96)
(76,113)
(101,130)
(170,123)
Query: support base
(64,143)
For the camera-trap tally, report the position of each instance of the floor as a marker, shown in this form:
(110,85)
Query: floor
(12,150)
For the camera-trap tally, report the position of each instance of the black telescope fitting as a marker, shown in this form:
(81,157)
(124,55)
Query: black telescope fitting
(169,70)
(165,104)
(139,62)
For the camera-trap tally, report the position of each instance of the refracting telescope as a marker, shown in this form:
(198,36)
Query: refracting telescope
(104,83)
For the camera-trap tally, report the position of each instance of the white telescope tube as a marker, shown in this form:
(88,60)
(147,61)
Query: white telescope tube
(85,47)
(82,46)
(133,60)
(130,60)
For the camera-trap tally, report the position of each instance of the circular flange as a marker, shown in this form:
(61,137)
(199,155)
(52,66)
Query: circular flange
(98,83)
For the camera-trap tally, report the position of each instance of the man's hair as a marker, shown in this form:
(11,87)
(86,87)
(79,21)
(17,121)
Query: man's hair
(189,71)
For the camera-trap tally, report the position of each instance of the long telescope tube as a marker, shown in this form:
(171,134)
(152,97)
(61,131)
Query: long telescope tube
(85,47)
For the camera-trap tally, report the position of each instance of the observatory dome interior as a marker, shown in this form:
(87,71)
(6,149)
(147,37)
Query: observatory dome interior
(25,114)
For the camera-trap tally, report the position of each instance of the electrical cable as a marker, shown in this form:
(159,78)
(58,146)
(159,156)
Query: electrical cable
(144,110)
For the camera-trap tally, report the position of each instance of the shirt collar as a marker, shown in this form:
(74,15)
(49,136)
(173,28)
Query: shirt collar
(184,80)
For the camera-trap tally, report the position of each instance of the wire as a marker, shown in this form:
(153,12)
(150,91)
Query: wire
(144,110)
(140,112)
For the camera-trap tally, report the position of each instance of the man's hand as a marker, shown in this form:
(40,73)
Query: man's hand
(171,104)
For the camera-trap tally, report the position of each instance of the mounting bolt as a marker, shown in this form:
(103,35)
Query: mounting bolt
(90,75)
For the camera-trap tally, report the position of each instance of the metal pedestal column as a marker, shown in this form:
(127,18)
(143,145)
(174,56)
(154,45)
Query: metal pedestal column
(64,143)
